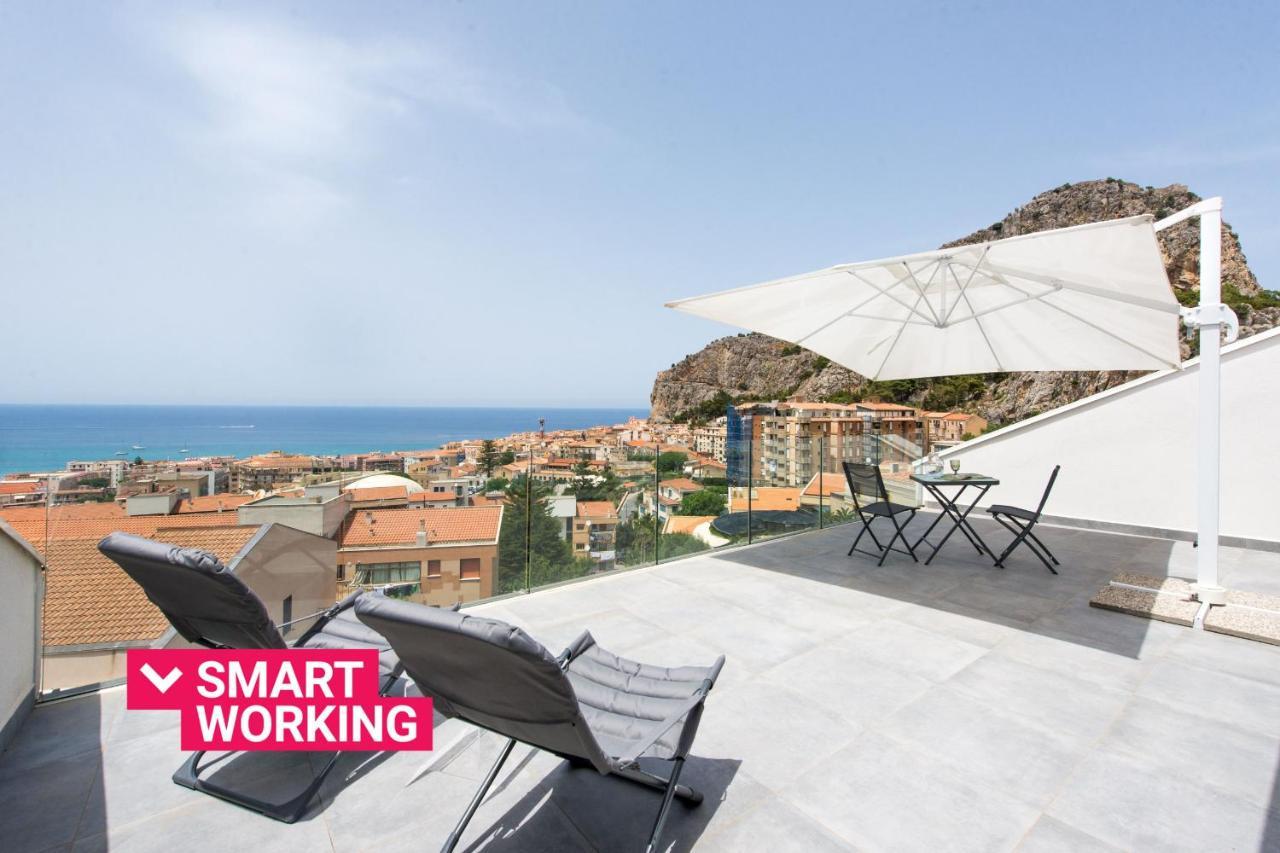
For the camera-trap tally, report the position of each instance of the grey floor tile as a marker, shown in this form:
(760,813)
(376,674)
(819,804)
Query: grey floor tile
(776,826)
(972,626)
(1245,702)
(851,687)
(1245,658)
(1054,836)
(983,596)
(917,651)
(1117,798)
(1052,700)
(882,796)
(753,641)
(1241,762)
(1000,750)
(212,824)
(776,733)
(1075,657)
(42,804)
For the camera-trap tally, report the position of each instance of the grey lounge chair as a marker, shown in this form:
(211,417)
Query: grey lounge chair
(210,606)
(587,705)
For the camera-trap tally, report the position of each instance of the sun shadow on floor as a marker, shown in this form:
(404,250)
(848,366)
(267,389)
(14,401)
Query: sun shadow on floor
(961,582)
(578,808)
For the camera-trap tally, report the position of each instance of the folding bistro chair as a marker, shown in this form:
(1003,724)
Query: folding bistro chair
(587,705)
(210,606)
(867,479)
(1020,522)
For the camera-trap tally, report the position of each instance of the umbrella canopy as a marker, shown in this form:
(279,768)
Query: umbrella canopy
(1091,297)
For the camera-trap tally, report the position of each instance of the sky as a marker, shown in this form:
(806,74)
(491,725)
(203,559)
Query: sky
(488,203)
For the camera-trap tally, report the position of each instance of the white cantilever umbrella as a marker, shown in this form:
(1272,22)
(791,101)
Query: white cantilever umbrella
(1091,297)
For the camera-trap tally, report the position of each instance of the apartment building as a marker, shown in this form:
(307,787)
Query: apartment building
(595,531)
(113,469)
(269,470)
(709,439)
(952,427)
(433,556)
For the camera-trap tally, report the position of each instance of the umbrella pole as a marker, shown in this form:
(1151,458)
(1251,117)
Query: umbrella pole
(1207,586)
(1208,318)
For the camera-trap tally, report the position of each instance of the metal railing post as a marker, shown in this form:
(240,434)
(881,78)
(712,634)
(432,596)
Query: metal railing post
(528,521)
(657,498)
(751,477)
(822,465)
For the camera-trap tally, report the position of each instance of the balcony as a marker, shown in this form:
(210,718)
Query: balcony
(952,706)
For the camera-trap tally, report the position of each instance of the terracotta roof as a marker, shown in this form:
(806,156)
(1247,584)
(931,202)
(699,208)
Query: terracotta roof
(767,497)
(375,527)
(485,500)
(89,600)
(273,461)
(32,529)
(19,487)
(596,509)
(684,484)
(833,483)
(433,497)
(379,493)
(883,407)
(213,503)
(86,510)
(686,523)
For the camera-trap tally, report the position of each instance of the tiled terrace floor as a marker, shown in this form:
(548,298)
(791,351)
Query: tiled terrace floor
(950,707)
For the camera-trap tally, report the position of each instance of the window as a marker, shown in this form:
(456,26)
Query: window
(377,574)
(469,568)
(433,568)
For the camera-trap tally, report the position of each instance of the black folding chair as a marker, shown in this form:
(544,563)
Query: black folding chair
(209,606)
(1020,522)
(586,705)
(866,479)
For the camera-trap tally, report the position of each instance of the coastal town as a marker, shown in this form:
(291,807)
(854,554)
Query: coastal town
(458,523)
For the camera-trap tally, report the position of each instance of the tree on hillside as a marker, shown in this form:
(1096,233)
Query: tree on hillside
(488,458)
(496,484)
(635,543)
(705,502)
(507,457)
(590,485)
(671,461)
(551,557)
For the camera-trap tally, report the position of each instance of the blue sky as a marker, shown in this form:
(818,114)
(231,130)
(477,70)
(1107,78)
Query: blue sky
(487,203)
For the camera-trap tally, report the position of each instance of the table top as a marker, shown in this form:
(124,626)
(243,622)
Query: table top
(961,479)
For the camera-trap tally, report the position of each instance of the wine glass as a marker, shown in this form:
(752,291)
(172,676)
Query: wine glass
(955,466)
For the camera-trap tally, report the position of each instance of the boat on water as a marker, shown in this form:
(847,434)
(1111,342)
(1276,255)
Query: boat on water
(139,447)
(121,453)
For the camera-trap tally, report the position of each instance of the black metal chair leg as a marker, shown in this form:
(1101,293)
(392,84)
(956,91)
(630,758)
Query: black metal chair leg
(1044,548)
(456,835)
(672,784)
(858,538)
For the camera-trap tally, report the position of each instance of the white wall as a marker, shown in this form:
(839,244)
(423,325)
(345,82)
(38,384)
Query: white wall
(19,615)
(1128,455)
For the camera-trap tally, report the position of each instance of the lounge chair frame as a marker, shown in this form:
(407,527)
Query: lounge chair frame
(583,749)
(148,562)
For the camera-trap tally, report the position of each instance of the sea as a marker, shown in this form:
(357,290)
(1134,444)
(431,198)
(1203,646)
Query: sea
(43,438)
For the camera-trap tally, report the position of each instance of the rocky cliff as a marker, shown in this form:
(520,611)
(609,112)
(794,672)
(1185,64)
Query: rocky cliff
(756,367)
